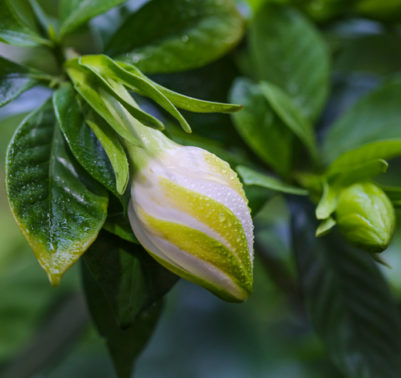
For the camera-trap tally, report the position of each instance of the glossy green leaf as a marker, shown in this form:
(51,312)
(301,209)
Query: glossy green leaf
(128,277)
(177,35)
(384,149)
(251,177)
(365,171)
(374,117)
(325,226)
(56,204)
(349,302)
(185,102)
(74,13)
(123,290)
(290,53)
(105,68)
(14,31)
(14,80)
(291,115)
(260,127)
(99,151)
(104,103)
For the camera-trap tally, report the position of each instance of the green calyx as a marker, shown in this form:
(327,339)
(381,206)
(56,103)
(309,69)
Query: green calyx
(366,216)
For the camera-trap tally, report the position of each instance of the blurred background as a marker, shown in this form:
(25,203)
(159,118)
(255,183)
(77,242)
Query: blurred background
(46,332)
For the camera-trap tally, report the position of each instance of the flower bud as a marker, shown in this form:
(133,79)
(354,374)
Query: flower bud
(366,216)
(189,211)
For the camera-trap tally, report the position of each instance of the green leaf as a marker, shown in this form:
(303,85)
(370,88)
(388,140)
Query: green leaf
(116,285)
(290,53)
(105,104)
(328,202)
(251,177)
(349,302)
(14,80)
(177,35)
(291,115)
(74,13)
(14,31)
(128,277)
(393,192)
(107,69)
(57,206)
(118,224)
(384,149)
(99,151)
(260,128)
(365,171)
(374,117)
(185,102)
(325,226)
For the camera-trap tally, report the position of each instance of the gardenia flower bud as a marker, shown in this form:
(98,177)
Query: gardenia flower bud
(189,211)
(366,216)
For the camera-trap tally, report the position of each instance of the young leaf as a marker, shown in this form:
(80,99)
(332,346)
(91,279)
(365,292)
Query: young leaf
(185,102)
(251,177)
(328,203)
(291,115)
(95,150)
(384,149)
(349,302)
(105,67)
(74,13)
(290,53)
(57,206)
(14,80)
(259,126)
(325,226)
(87,85)
(13,30)
(374,117)
(177,35)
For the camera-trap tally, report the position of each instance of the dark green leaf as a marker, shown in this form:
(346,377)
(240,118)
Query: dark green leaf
(291,115)
(349,302)
(57,206)
(251,177)
(14,31)
(290,53)
(260,127)
(374,117)
(177,35)
(14,80)
(128,277)
(84,144)
(74,13)
(119,225)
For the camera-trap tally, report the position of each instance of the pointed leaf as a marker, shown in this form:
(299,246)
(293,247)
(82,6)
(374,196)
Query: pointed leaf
(251,177)
(328,203)
(374,117)
(74,13)
(57,205)
(349,302)
(14,80)
(177,35)
(289,52)
(106,68)
(325,226)
(13,30)
(291,115)
(260,127)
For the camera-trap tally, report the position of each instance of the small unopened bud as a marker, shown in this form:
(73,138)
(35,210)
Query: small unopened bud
(366,216)
(189,211)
